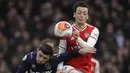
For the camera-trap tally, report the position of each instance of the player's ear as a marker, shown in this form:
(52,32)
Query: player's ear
(87,17)
(74,14)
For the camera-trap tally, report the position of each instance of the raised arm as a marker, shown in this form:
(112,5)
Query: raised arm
(68,55)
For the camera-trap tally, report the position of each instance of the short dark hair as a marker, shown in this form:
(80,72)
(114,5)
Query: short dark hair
(46,49)
(79,4)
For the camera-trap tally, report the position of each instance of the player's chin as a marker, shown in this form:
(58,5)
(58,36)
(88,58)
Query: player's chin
(81,22)
(40,62)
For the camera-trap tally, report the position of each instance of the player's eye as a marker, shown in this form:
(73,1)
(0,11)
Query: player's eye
(79,12)
(85,13)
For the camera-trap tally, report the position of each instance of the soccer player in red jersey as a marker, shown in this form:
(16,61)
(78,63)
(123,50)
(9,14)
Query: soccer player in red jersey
(84,36)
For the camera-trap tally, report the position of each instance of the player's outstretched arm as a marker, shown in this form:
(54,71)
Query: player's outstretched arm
(68,55)
(87,50)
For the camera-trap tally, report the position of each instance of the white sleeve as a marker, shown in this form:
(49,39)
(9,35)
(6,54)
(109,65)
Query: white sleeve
(62,48)
(91,40)
(97,68)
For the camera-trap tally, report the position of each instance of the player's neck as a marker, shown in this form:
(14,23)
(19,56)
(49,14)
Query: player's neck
(80,26)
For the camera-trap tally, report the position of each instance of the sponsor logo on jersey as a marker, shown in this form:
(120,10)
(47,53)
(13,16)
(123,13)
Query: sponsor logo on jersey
(48,66)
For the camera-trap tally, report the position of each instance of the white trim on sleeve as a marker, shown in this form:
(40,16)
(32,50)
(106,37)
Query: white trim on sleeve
(91,40)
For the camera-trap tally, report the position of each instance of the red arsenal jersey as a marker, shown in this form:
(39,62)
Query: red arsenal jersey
(90,36)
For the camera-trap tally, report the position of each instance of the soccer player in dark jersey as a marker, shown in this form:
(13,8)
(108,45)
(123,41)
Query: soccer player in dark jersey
(43,61)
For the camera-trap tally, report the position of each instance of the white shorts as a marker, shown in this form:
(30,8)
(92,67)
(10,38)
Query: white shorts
(70,69)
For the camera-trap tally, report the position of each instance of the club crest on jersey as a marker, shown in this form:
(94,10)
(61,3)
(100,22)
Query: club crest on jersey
(48,66)
(86,35)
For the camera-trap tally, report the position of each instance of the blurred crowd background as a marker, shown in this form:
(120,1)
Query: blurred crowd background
(25,24)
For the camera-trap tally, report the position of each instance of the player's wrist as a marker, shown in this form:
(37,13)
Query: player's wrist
(76,38)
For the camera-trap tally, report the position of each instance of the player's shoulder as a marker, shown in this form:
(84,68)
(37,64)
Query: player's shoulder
(95,29)
(91,26)
(30,56)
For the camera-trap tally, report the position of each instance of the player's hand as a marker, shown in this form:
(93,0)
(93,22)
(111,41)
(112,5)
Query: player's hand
(87,50)
(75,35)
(59,71)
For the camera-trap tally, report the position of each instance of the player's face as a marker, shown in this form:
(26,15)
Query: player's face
(42,58)
(81,15)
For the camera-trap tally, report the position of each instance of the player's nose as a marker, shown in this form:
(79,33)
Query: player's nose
(81,15)
(41,59)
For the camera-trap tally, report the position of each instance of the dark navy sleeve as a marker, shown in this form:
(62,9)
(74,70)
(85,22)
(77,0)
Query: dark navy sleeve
(65,56)
(24,65)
